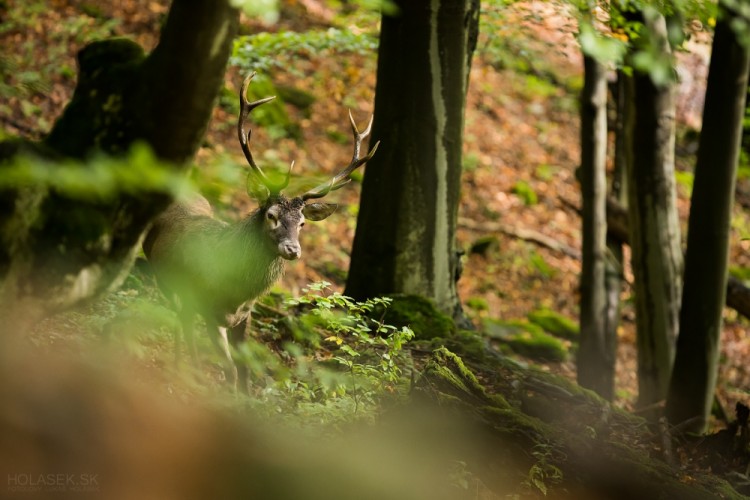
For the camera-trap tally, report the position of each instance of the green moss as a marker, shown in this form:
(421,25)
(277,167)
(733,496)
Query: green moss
(419,314)
(448,372)
(477,303)
(555,323)
(466,343)
(526,339)
(94,118)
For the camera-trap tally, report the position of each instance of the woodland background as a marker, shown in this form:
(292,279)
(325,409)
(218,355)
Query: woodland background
(519,224)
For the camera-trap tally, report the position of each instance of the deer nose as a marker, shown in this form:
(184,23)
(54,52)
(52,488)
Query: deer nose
(290,250)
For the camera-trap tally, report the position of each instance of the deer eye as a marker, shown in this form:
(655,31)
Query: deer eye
(301,224)
(270,216)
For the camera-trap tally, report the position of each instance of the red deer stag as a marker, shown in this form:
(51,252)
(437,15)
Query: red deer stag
(217,270)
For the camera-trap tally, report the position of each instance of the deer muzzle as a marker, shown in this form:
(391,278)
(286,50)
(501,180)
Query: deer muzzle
(290,250)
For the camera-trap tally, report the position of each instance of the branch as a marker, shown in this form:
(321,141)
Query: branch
(522,234)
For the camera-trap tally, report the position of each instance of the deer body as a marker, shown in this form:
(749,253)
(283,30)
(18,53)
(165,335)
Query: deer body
(217,270)
(211,265)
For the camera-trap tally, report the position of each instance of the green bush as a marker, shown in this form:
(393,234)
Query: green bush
(357,359)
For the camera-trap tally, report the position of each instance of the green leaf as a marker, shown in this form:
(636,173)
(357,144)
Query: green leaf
(602,48)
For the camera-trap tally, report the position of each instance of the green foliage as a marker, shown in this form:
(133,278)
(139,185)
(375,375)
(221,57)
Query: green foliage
(555,323)
(542,472)
(603,48)
(535,86)
(539,265)
(267,51)
(545,172)
(102,178)
(626,31)
(685,179)
(741,273)
(470,162)
(740,23)
(271,116)
(266,10)
(364,363)
(523,190)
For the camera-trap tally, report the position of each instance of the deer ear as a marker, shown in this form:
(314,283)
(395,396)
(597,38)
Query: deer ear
(318,211)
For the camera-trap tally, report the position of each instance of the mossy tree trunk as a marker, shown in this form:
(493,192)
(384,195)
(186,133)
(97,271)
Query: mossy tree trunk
(654,225)
(693,381)
(59,250)
(405,239)
(596,356)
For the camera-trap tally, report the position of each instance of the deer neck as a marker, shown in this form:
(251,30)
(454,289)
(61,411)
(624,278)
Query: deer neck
(260,264)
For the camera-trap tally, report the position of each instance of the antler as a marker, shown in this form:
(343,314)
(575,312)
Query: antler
(342,178)
(245,108)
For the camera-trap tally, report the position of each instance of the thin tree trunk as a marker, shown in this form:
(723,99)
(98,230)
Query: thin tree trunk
(596,356)
(693,381)
(405,239)
(654,228)
(615,255)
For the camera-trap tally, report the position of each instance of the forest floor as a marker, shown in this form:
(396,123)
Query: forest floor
(520,152)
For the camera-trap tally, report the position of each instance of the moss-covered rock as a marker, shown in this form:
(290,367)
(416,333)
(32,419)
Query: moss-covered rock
(419,314)
(555,323)
(526,339)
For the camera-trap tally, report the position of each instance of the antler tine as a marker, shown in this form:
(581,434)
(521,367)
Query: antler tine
(342,178)
(245,108)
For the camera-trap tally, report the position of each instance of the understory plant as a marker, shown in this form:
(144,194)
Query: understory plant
(343,363)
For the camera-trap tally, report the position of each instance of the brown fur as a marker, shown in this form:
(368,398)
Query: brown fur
(208,267)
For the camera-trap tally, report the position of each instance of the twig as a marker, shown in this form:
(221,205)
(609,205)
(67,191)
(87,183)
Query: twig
(522,234)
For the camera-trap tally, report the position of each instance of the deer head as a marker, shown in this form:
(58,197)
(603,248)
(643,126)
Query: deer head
(284,217)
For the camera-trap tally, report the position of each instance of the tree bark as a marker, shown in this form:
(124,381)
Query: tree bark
(596,355)
(737,294)
(615,257)
(693,381)
(405,239)
(59,250)
(654,228)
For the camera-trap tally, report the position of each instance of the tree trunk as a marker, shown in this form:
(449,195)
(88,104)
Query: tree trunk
(615,255)
(59,250)
(405,239)
(691,390)
(654,228)
(596,355)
